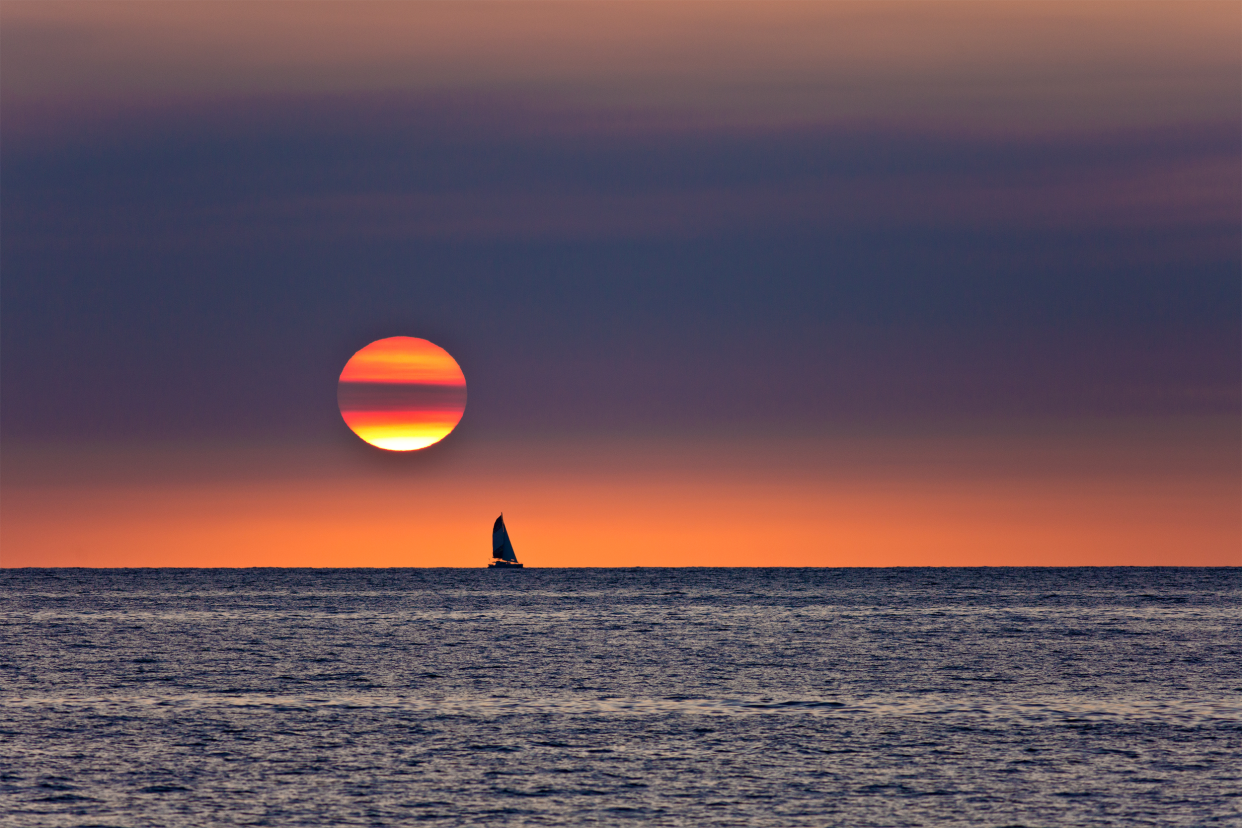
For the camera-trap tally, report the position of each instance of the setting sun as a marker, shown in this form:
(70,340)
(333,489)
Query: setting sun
(402,393)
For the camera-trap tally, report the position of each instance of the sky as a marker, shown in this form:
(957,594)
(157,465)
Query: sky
(741,283)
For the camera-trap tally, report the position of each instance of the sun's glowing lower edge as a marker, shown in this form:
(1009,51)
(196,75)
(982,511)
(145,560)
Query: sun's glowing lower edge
(381,432)
(403,443)
(405,438)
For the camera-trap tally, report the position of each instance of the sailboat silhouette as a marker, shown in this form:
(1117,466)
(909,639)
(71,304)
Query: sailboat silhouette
(502,547)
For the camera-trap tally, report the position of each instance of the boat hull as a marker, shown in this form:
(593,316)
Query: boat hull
(504,565)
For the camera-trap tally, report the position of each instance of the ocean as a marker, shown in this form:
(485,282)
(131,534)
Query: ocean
(686,697)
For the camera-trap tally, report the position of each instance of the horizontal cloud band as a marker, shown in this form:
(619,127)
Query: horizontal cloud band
(394,397)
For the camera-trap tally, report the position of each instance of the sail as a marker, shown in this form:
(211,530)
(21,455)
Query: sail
(501,547)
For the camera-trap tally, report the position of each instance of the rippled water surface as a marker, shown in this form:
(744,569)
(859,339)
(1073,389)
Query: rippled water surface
(691,697)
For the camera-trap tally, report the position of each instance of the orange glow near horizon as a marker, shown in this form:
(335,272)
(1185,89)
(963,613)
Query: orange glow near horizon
(909,502)
(402,393)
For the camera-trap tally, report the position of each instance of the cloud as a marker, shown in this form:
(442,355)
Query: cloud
(1019,64)
(396,167)
(210,271)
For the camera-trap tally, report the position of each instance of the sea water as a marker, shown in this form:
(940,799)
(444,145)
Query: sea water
(697,697)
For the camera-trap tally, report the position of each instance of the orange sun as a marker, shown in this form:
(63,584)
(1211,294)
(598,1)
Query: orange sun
(402,393)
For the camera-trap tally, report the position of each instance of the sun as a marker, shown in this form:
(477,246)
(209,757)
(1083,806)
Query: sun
(402,393)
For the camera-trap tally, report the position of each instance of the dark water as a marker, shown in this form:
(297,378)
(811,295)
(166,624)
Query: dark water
(654,697)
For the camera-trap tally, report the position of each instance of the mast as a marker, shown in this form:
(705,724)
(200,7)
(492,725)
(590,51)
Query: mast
(502,548)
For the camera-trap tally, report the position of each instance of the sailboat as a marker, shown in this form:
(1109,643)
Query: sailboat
(502,548)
